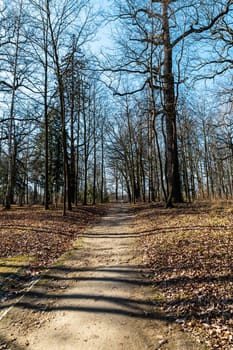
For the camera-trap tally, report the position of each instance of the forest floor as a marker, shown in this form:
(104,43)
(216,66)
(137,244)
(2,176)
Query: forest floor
(141,277)
(188,250)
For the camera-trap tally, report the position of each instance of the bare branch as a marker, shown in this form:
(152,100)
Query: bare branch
(202,29)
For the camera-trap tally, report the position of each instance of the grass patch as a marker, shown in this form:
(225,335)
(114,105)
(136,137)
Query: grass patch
(13,271)
(14,264)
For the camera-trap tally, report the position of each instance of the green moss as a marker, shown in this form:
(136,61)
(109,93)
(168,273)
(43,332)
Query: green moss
(78,244)
(14,264)
(61,261)
(12,268)
(158,297)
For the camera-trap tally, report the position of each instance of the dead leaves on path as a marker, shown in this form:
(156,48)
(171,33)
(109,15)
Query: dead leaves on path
(189,252)
(42,235)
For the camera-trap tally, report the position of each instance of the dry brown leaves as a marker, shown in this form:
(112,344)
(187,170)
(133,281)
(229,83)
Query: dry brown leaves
(189,252)
(41,235)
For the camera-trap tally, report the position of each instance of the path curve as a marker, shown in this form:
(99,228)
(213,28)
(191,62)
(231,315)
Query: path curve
(99,299)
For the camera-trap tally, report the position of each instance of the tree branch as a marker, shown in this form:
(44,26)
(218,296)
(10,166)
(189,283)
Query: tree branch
(202,29)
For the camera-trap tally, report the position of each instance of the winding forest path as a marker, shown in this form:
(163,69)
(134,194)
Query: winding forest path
(97,299)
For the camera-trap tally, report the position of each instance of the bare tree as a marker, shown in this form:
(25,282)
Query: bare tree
(15,69)
(59,25)
(163,29)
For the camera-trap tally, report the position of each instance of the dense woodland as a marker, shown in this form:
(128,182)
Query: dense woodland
(149,119)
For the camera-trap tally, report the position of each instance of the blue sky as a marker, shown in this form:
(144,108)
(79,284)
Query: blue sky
(103,38)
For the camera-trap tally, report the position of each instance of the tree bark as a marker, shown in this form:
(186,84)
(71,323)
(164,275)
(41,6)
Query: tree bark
(66,171)
(173,175)
(46,115)
(11,148)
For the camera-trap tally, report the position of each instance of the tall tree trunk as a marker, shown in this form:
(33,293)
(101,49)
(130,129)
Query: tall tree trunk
(9,188)
(10,175)
(72,120)
(173,175)
(86,149)
(77,180)
(94,160)
(46,115)
(66,171)
(152,128)
(102,165)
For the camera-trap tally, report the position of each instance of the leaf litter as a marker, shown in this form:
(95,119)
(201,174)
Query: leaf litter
(188,250)
(32,238)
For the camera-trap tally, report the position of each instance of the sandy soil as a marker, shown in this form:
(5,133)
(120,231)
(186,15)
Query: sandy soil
(98,299)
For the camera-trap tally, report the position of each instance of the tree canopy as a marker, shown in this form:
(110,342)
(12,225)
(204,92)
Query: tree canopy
(148,119)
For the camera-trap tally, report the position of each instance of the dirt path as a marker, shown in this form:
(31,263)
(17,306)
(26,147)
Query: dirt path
(99,299)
